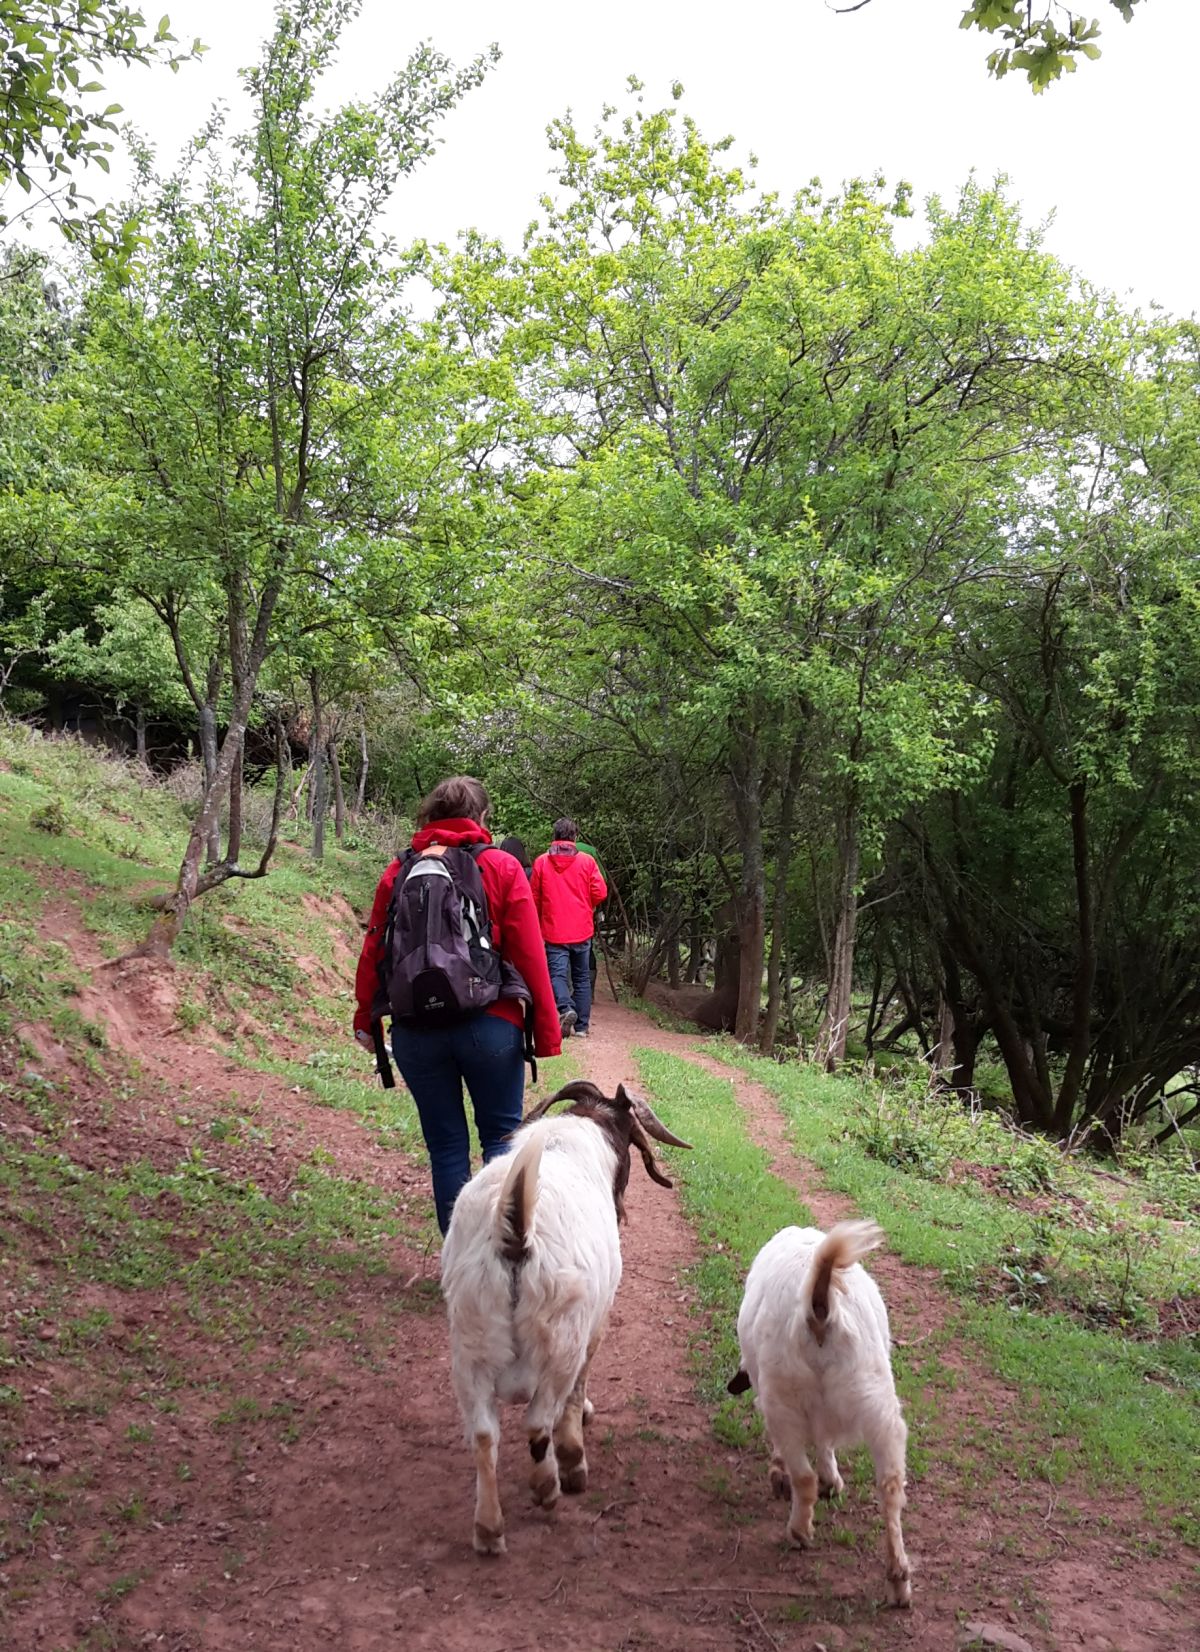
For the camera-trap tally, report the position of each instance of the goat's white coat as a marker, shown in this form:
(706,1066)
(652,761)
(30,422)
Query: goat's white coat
(823,1394)
(530,1343)
(531,1354)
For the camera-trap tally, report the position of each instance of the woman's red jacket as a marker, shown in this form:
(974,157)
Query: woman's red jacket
(515,933)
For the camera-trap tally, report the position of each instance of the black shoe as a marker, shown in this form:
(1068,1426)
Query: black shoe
(566,1023)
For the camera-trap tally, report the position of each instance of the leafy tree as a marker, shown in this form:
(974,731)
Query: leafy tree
(764,441)
(1043,41)
(1061,884)
(50,121)
(228,408)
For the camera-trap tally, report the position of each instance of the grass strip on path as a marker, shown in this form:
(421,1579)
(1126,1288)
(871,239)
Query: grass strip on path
(733,1202)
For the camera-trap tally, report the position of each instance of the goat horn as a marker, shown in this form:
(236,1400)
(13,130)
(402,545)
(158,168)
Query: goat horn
(653,1169)
(649,1120)
(578,1090)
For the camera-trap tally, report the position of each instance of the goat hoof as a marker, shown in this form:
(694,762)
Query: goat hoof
(545,1492)
(589,1411)
(801,1539)
(574,1480)
(899,1590)
(488,1541)
(781,1485)
(832,1488)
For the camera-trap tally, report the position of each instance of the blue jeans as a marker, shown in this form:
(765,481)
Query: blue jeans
(570,976)
(489,1053)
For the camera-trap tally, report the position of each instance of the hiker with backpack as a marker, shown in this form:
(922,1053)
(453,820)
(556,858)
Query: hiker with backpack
(454,954)
(567,888)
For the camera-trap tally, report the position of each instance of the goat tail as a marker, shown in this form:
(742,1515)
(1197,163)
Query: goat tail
(841,1248)
(514,1212)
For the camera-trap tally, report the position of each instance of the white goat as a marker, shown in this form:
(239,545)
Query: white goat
(815,1347)
(530,1267)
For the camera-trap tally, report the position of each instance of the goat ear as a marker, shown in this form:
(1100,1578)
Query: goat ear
(638,1139)
(649,1119)
(578,1090)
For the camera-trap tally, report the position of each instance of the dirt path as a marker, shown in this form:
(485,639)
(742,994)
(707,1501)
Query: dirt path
(337,1511)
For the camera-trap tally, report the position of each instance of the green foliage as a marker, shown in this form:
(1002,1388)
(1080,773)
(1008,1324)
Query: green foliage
(1014,1202)
(908,1127)
(126,651)
(51,119)
(841,583)
(1042,39)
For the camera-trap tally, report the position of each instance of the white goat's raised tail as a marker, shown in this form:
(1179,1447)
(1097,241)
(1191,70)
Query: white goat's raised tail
(840,1249)
(816,1349)
(518,1196)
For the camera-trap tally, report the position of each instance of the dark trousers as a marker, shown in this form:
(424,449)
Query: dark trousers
(488,1054)
(571,979)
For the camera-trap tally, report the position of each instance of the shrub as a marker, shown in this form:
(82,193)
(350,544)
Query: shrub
(51,817)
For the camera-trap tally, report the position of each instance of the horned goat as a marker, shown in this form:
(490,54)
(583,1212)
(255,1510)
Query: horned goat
(530,1267)
(815,1347)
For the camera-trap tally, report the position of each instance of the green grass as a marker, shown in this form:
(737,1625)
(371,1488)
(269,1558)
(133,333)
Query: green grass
(1121,1409)
(735,1204)
(221,1241)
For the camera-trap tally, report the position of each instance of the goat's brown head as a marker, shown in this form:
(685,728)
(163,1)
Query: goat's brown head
(627,1119)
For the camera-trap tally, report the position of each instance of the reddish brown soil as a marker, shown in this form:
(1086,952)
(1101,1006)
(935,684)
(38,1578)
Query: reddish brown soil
(328,1498)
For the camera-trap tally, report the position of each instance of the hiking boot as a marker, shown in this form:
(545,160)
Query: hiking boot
(566,1023)
(582,1032)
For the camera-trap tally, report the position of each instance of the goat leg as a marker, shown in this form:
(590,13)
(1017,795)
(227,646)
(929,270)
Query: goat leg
(830,1481)
(568,1436)
(888,1457)
(489,1518)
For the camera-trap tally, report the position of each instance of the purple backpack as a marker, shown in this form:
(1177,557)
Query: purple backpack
(438,960)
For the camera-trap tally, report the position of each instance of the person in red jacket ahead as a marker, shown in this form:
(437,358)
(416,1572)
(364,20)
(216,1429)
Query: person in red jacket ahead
(485,1049)
(567,889)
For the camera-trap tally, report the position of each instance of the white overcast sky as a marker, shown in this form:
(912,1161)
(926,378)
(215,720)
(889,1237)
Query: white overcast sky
(1110,151)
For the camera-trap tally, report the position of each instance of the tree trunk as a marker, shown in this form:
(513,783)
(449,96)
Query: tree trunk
(339,800)
(783,867)
(205,702)
(319,789)
(364,764)
(664,935)
(752,900)
(1085,966)
(789,1002)
(299,792)
(165,929)
(831,1038)
(233,844)
(942,1061)
(208,754)
(881,1002)
(695,958)
(140,735)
